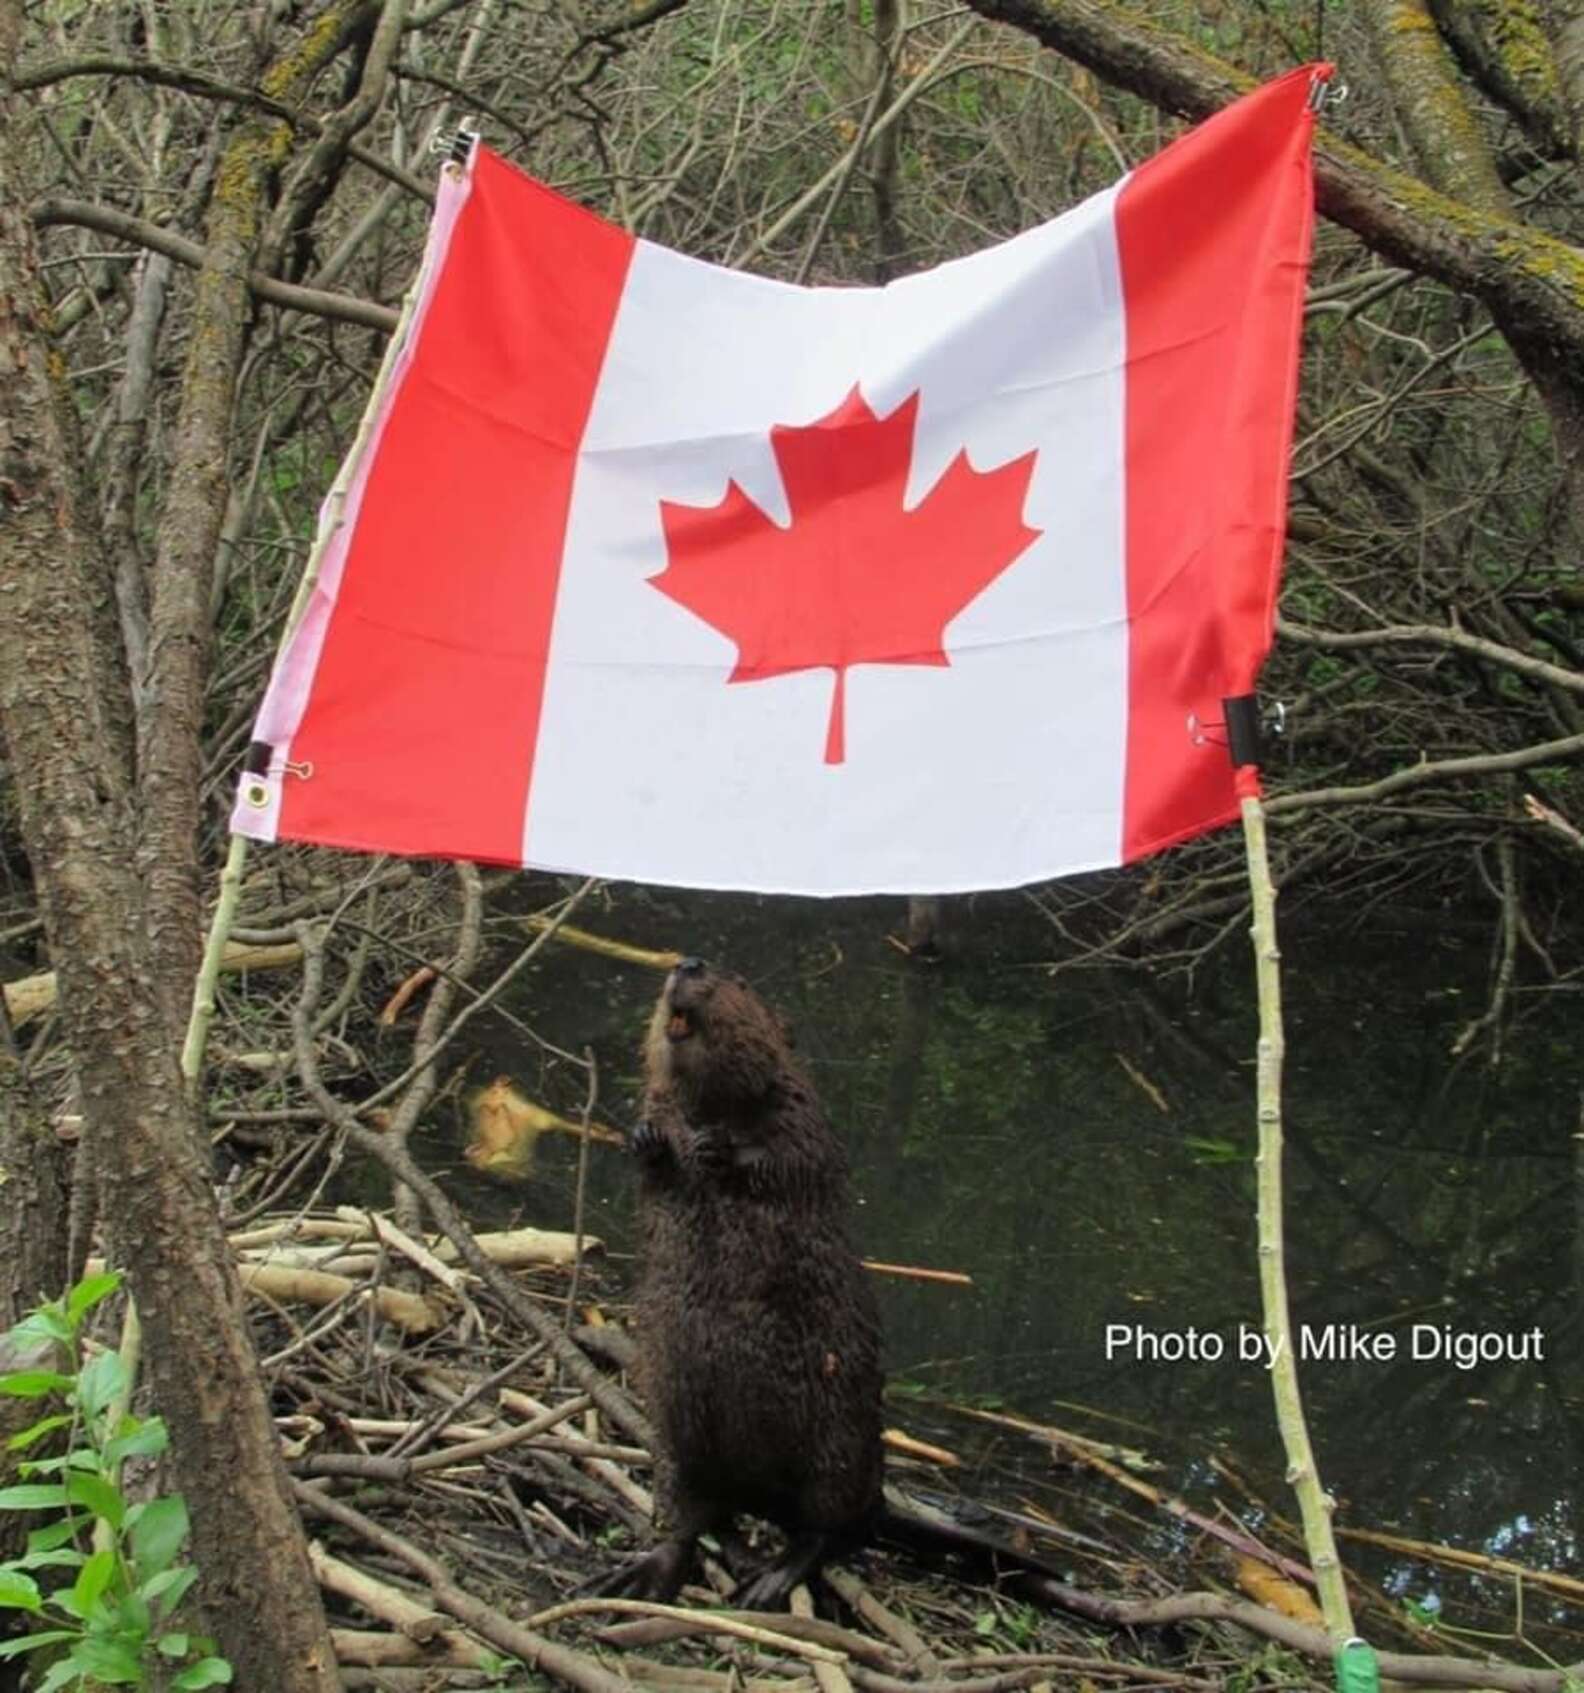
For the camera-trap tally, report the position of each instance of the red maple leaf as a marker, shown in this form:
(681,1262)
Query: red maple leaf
(855,578)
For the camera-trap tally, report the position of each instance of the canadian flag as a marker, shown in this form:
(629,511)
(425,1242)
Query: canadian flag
(657,570)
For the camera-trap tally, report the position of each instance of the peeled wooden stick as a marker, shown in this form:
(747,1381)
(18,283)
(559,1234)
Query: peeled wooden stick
(1315,1505)
(576,1669)
(608,948)
(853,1593)
(387,1231)
(906,1446)
(1553,1581)
(318,1287)
(697,1622)
(378,1598)
(378,1649)
(911,1272)
(31,996)
(511,1248)
(831,1678)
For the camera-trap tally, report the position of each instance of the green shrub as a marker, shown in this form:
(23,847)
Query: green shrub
(101,1579)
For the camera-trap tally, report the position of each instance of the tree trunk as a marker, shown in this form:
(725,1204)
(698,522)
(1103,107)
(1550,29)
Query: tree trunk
(33,1221)
(72,773)
(170,751)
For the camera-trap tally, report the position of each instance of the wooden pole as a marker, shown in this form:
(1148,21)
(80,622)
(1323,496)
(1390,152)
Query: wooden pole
(1314,1503)
(203,1005)
(331,516)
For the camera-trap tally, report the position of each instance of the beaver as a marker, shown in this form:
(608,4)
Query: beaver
(759,1340)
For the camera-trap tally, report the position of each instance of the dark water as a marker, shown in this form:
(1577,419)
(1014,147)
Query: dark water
(1082,1146)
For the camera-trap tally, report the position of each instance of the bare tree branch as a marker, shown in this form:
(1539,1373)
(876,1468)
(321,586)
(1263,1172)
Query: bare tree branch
(1458,640)
(1420,775)
(340,308)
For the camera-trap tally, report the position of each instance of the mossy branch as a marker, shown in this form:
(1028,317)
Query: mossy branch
(1528,278)
(1435,114)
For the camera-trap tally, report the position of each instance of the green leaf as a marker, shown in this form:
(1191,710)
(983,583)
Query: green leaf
(39,1497)
(45,1425)
(19,1592)
(47,1325)
(89,1291)
(46,1539)
(92,1579)
(67,1558)
(137,1439)
(42,1466)
(31,1642)
(100,1380)
(208,1672)
(108,1659)
(173,1645)
(34,1384)
(157,1534)
(99,1496)
(66,1669)
(167,1589)
(134,1616)
(1209,1151)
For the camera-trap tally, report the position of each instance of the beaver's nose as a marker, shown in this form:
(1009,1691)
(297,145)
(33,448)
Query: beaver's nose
(690,966)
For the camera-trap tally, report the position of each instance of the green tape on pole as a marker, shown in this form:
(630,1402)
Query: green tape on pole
(1356,1668)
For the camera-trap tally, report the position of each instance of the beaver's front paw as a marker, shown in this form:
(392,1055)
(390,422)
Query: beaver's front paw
(647,1142)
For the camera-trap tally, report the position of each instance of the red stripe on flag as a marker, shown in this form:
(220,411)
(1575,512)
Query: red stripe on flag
(1213,237)
(422,717)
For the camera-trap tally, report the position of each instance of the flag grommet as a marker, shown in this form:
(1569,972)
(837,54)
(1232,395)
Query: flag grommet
(1200,731)
(255,793)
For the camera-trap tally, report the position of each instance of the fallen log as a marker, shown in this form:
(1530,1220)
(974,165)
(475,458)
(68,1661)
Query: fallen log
(31,996)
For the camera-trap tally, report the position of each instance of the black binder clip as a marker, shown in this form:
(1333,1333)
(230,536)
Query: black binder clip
(1245,732)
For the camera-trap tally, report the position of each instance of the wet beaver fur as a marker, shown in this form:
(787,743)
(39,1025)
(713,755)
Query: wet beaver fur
(759,1341)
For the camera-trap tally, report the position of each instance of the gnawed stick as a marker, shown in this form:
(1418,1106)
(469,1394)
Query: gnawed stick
(409,1311)
(608,948)
(1093,1454)
(31,996)
(513,1249)
(1030,1673)
(610,1475)
(1300,1637)
(416,1622)
(379,1649)
(458,1434)
(655,1624)
(912,1272)
(690,1678)
(316,1287)
(574,1668)
(1551,1580)
(419,1254)
(858,1598)
(1079,1665)
(830,1678)
(787,1637)
(907,1446)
